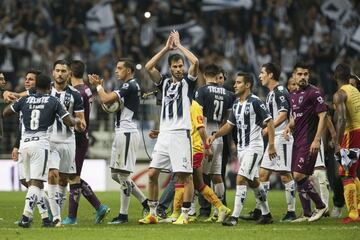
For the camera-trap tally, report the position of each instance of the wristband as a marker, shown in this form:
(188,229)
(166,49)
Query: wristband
(98,88)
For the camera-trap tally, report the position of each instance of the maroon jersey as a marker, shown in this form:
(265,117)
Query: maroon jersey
(306,104)
(86,95)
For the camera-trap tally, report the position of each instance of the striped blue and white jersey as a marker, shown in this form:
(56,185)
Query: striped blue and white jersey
(249,117)
(126,119)
(277,101)
(176,102)
(71,99)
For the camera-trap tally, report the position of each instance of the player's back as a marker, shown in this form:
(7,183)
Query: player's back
(352,107)
(215,101)
(38,113)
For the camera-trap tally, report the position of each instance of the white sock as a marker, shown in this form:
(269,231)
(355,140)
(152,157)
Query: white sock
(53,201)
(153,205)
(138,194)
(266,186)
(322,180)
(41,204)
(240,197)
(185,212)
(192,210)
(290,195)
(261,199)
(32,196)
(124,202)
(62,196)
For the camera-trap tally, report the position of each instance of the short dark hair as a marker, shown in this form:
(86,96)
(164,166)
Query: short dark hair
(274,69)
(247,78)
(61,62)
(212,70)
(342,73)
(43,82)
(175,57)
(77,68)
(128,63)
(33,71)
(302,65)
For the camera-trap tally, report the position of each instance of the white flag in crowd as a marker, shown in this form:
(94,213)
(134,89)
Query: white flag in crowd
(100,17)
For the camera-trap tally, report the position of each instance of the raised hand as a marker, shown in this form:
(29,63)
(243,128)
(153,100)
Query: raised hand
(176,38)
(169,43)
(94,79)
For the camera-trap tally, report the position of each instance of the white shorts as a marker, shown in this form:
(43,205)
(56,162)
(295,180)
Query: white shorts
(34,156)
(123,152)
(214,166)
(62,157)
(173,152)
(20,165)
(320,160)
(284,152)
(249,160)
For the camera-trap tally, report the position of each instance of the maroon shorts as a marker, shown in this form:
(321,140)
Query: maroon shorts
(302,161)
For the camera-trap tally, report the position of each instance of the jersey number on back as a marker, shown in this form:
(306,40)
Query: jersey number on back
(219,105)
(34,122)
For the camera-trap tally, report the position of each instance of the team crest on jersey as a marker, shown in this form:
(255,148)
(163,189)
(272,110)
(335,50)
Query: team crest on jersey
(301,99)
(247,110)
(125,86)
(320,100)
(67,100)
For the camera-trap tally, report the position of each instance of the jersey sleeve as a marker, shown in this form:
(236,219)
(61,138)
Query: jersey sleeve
(191,80)
(232,120)
(123,91)
(319,102)
(197,117)
(16,107)
(200,96)
(262,113)
(282,101)
(78,102)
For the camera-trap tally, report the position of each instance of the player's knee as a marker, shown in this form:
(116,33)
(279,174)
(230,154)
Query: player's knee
(153,175)
(53,177)
(264,175)
(24,183)
(115,177)
(285,178)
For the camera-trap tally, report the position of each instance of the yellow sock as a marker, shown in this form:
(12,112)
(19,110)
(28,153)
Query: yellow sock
(357,183)
(350,198)
(178,198)
(211,197)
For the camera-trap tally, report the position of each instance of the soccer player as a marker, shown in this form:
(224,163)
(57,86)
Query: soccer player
(80,186)
(172,150)
(200,150)
(249,114)
(347,122)
(277,102)
(62,167)
(127,138)
(309,113)
(216,103)
(43,202)
(38,114)
(2,90)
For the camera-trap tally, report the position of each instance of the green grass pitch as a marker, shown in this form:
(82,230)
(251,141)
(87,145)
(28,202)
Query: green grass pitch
(11,206)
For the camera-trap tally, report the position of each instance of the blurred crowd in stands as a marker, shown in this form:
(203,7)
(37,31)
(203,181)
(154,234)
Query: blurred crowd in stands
(238,37)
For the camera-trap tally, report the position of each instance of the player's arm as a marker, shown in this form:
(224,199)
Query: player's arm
(271,138)
(331,128)
(150,65)
(315,145)
(194,67)
(339,100)
(13,96)
(71,122)
(82,125)
(282,116)
(225,129)
(288,128)
(104,97)
(9,110)
(15,151)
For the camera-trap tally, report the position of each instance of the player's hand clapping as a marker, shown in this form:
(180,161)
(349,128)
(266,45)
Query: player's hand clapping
(153,133)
